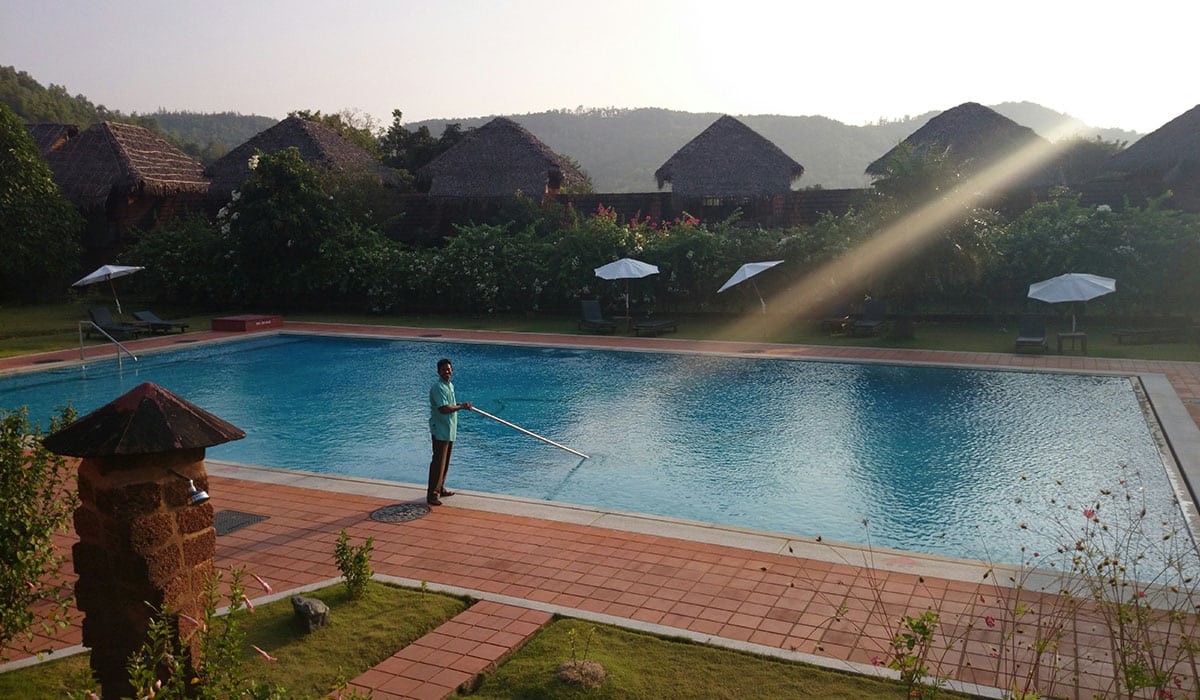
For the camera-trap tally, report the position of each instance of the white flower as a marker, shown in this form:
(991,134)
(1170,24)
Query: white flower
(253,162)
(1104,208)
(235,195)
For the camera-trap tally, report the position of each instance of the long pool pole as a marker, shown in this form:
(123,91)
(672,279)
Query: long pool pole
(529,433)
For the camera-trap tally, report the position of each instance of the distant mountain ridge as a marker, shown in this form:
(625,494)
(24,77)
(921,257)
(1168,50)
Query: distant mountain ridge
(621,148)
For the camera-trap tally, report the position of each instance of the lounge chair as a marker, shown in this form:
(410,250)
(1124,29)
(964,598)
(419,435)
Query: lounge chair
(655,327)
(1031,334)
(591,318)
(839,320)
(102,318)
(158,325)
(873,319)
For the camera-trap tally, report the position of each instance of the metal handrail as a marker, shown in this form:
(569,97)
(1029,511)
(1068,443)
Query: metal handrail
(111,339)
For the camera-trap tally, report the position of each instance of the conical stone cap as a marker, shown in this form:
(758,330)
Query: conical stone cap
(147,419)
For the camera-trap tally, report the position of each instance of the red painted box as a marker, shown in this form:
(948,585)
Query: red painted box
(246,322)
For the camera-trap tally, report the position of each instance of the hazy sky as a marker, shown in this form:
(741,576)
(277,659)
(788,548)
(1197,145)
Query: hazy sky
(1112,64)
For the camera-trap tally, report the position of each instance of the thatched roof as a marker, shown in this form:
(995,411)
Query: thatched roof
(110,158)
(318,144)
(49,136)
(498,159)
(729,159)
(974,136)
(1170,152)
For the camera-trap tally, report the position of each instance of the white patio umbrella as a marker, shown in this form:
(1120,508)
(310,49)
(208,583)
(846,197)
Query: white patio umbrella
(107,273)
(626,269)
(1073,286)
(747,271)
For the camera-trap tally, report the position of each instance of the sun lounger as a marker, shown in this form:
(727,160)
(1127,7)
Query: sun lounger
(655,327)
(873,319)
(158,325)
(1150,335)
(102,318)
(591,319)
(1031,334)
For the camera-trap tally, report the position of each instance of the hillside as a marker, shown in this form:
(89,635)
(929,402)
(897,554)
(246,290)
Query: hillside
(621,148)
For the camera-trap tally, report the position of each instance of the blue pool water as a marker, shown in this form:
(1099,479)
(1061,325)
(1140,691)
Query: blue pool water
(938,460)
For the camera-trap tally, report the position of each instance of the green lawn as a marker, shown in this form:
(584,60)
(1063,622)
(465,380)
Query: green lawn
(361,634)
(39,328)
(639,665)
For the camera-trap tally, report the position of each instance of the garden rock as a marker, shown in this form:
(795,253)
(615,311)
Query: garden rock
(313,614)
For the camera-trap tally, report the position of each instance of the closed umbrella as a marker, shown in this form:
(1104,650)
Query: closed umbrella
(626,269)
(745,272)
(108,273)
(1073,286)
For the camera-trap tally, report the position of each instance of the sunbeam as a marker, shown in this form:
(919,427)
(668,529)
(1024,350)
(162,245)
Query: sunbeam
(896,242)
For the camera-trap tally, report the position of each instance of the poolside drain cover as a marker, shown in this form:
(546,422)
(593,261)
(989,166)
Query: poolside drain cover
(431,335)
(47,361)
(400,513)
(227,521)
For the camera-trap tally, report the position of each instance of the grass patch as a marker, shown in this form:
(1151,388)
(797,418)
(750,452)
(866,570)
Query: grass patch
(361,634)
(45,327)
(640,665)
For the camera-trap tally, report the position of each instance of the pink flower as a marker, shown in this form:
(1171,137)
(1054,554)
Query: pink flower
(1141,594)
(194,621)
(266,586)
(875,661)
(249,605)
(1089,513)
(990,621)
(265,655)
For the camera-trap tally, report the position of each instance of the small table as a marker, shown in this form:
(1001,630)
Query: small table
(1073,336)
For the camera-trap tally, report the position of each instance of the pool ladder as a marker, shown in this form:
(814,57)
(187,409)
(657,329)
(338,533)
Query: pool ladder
(91,325)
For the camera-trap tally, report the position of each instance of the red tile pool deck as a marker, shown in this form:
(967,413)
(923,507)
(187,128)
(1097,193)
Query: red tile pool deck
(525,561)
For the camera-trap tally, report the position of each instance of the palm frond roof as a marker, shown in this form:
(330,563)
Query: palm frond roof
(729,159)
(970,133)
(110,158)
(498,159)
(318,144)
(1170,151)
(49,135)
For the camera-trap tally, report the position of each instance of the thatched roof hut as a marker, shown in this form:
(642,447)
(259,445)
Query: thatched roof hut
(318,144)
(49,136)
(499,159)
(973,136)
(729,159)
(1170,153)
(112,159)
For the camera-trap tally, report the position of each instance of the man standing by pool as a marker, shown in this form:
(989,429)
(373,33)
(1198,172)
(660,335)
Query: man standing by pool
(443,424)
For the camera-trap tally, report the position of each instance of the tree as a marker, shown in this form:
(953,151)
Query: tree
(36,501)
(40,231)
(408,151)
(948,236)
(356,127)
(295,230)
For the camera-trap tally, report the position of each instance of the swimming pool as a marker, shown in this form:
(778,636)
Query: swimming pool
(939,460)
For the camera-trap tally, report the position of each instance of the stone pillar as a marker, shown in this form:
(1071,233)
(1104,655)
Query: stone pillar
(142,547)
(146,541)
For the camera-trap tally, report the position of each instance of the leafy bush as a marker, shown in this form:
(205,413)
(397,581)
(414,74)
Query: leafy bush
(354,563)
(37,499)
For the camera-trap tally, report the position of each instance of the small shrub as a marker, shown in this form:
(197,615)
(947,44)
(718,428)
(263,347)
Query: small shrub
(580,670)
(354,563)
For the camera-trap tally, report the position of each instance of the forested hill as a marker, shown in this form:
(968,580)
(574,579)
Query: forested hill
(621,148)
(204,136)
